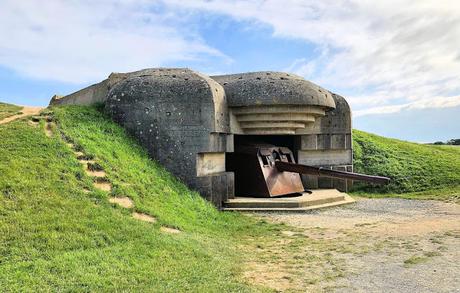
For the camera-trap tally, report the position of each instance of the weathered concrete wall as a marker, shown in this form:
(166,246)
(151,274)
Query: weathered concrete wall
(277,103)
(181,118)
(328,143)
(272,88)
(96,93)
(268,103)
(186,120)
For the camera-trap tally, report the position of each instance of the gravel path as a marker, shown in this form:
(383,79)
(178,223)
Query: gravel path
(415,245)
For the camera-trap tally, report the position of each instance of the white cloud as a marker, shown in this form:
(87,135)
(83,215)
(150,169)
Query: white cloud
(81,41)
(429,103)
(385,55)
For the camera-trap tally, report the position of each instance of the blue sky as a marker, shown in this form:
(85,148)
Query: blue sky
(396,62)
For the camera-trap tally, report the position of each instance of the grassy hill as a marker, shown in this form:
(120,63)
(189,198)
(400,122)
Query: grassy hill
(54,236)
(59,233)
(7,110)
(416,170)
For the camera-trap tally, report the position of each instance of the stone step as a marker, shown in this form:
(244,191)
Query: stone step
(319,198)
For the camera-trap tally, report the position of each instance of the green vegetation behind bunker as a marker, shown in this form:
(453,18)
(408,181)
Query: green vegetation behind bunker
(54,236)
(416,170)
(7,110)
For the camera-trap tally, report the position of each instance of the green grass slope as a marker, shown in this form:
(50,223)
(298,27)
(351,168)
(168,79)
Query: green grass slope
(7,110)
(56,237)
(416,170)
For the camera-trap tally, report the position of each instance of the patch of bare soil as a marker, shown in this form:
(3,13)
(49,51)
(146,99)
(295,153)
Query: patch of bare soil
(25,111)
(144,217)
(100,174)
(125,202)
(102,185)
(375,245)
(85,162)
(169,230)
(79,154)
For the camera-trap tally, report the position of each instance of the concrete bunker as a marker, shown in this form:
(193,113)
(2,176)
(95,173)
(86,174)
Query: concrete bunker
(191,123)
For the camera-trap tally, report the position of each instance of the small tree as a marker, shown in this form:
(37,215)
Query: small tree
(455,141)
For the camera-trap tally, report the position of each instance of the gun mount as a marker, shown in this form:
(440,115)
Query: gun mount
(323,172)
(268,171)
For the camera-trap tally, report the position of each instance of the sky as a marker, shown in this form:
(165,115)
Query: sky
(396,62)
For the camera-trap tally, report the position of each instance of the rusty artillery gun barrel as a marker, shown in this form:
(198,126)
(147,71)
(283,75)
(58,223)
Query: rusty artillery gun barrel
(323,172)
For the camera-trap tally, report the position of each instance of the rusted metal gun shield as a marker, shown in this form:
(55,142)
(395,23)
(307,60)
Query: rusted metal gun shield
(256,174)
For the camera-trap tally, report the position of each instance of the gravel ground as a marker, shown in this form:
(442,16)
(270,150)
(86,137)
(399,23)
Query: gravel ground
(417,244)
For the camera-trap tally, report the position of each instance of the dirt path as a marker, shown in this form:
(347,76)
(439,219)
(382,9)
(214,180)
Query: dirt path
(25,111)
(375,245)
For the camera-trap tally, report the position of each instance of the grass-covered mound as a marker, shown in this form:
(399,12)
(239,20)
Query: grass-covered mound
(56,237)
(7,110)
(418,170)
